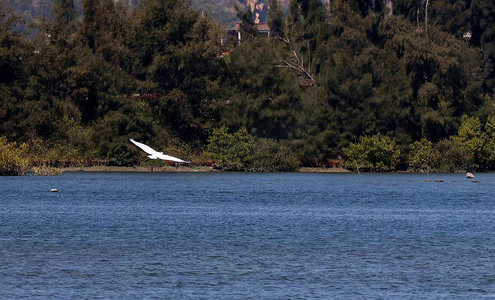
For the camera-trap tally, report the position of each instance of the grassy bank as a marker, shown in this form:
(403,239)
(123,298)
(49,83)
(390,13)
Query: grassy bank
(140,169)
(191,168)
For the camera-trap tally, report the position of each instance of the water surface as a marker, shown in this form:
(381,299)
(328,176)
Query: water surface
(247,236)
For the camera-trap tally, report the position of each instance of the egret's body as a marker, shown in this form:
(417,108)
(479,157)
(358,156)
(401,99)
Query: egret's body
(155,154)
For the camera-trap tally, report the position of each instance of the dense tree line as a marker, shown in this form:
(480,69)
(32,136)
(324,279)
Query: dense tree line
(330,79)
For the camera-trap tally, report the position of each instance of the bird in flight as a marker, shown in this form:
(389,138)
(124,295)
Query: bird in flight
(156,155)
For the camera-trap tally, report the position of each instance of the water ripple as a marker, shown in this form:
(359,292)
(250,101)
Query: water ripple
(246,236)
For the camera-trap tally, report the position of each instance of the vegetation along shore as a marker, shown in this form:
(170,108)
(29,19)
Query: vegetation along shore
(338,85)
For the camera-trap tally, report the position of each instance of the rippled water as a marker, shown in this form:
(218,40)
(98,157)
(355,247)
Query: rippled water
(243,236)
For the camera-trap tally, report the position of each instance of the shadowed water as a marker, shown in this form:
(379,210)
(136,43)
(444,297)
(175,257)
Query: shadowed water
(244,236)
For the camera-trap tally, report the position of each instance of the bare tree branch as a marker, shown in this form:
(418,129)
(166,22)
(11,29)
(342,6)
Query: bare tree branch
(297,64)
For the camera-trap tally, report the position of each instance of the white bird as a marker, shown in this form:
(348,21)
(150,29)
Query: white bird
(154,154)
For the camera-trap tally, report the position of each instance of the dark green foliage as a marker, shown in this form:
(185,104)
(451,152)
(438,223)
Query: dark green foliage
(450,15)
(276,19)
(258,94)
(489,148)
(271,156)
(177,56)
(90,26)
(120,155)
(64,11)
(449,157)
(12,46)
(482,21)
(240,151)
(64,24)
(328,76)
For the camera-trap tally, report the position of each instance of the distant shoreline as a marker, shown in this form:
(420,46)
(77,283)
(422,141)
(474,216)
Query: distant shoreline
(203,169)
(185,169)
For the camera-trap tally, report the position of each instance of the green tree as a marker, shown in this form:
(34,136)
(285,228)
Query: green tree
(64,23)
(121,155)
(482,21)
(176,54)
(365,7)
(258,95)
(450,15)
(270,156)
(421,155)
(91,20)
(13,50)
(366,89)
(471,139)
(276,19)
(489,148)
(232,151)
(441,68)
(375,152)
(448,156)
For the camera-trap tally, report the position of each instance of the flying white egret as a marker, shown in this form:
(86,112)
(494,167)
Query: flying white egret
(154,154)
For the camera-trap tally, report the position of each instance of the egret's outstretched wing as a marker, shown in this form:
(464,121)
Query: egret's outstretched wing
(144,147)
(171,158)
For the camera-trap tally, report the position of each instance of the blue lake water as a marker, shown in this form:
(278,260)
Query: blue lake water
(247,236)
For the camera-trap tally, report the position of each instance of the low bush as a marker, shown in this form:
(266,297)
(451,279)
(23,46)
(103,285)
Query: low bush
(270,156)
(13,158)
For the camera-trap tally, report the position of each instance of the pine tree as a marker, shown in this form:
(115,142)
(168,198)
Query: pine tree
(91,20)
(276,19)
(64,18)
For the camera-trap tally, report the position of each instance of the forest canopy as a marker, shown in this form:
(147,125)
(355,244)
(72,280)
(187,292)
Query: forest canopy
(329,79)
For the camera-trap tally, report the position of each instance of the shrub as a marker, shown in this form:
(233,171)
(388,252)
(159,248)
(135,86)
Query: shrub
(421,155)
(120,155)
(471,140)
(375,152)
(13,158)
(270,156)
(448,156)
(232,151)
